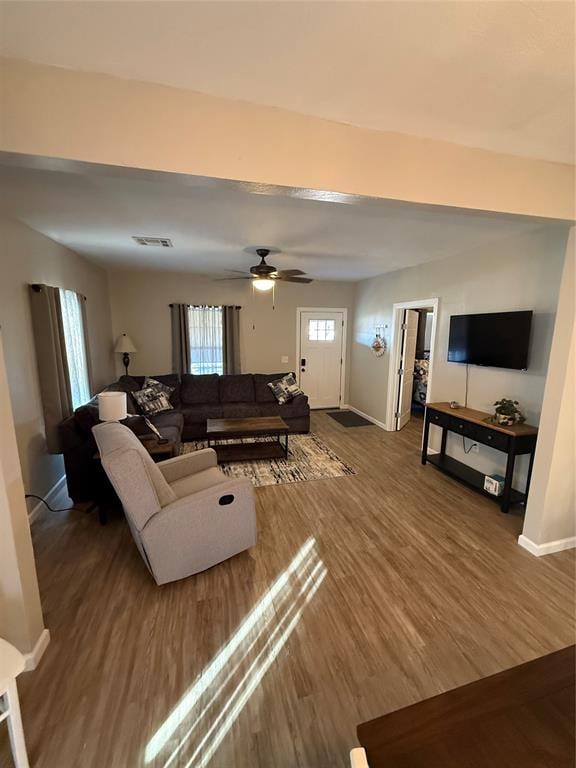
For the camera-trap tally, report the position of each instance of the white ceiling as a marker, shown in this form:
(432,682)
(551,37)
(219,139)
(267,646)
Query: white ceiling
(496,75)
(95,211)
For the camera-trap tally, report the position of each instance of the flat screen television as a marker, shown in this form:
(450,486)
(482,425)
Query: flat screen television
(495,339)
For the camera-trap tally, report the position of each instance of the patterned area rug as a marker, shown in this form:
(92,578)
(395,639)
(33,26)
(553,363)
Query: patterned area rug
(308,459)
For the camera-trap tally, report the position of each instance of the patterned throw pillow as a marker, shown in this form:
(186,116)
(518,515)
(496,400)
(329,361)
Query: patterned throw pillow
(158,386)
(150,401)
(285,389)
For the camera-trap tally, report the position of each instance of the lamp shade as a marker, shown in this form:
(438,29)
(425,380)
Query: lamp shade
(124,344)
(112,406)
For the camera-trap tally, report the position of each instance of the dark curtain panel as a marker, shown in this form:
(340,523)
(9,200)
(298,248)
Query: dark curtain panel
(231,339)
(180,339)
(52,363)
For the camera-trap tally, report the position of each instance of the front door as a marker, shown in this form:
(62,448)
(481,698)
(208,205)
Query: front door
(406,371)
(321,339)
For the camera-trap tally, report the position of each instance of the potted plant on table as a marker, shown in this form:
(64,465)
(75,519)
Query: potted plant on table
(507,412)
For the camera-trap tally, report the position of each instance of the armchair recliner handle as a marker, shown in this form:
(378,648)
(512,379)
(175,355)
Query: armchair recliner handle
(228,498)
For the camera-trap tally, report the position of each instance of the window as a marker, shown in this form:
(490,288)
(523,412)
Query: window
(321,330)
(74,339)
(206,349)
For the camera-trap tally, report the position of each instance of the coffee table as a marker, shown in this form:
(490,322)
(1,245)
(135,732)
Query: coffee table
(256,426)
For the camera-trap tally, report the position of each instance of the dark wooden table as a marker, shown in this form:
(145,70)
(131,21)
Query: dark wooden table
(237,429)
(520,718)
(515,440)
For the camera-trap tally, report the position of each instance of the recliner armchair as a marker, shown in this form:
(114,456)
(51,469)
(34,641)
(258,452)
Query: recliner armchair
(185,515)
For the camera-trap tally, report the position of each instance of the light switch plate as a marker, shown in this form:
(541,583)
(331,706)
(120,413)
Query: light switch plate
(284,359)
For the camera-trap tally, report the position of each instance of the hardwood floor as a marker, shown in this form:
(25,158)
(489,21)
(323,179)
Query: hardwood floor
(363,595)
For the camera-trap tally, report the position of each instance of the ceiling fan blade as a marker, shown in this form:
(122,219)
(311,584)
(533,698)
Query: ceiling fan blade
(218,279)
(294,279)
(237,271)
(290,272)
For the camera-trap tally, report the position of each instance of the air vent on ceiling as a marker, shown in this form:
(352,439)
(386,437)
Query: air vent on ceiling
(159,242)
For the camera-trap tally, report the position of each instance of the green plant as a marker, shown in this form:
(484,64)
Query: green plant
(508,407)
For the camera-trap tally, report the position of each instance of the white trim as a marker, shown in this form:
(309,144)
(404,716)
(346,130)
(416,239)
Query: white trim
(35,511)
(344,311)
(548,548)
(395,342)
(365,415)
(31,660)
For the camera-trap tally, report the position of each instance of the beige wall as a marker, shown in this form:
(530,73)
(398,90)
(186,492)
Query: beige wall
(551,511)
(28,257)
(140,302)
(21,621)
(520,272)
(102,119)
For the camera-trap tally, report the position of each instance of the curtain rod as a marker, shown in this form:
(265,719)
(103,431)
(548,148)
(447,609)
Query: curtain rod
(207,306)
(37,288)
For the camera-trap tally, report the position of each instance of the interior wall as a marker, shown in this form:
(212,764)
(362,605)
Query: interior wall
(520,272)
(140,308)
(551,510)
(29,257)
(191,133)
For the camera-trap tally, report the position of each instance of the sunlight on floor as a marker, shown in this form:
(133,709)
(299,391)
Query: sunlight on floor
(239,667)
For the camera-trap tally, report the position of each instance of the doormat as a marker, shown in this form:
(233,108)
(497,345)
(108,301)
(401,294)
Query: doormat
(349,419)
(308,459)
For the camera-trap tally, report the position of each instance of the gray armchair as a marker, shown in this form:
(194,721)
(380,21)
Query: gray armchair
(184,513)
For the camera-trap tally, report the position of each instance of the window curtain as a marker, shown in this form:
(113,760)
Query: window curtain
(53,367)
(206,348)
(180,338)
(231,339)
(73,311)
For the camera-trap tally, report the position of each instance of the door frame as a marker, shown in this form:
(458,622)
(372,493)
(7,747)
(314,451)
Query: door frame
(396,351)
(344,310)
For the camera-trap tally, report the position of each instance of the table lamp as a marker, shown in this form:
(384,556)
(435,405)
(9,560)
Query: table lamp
(112,406)
(124,346)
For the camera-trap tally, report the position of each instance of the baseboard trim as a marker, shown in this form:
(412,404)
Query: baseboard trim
(539,550)
(35,511)
(32,659)
(365,415)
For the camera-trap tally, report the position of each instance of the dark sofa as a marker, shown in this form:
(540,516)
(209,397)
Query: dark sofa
(194,399)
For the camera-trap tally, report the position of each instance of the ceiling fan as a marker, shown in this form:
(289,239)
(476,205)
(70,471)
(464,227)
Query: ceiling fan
(264,275)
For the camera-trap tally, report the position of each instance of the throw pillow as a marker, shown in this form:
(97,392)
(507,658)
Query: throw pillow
(150,401)
(285,389)
(157,385)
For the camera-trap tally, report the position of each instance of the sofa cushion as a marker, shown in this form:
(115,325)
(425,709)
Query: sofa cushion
(197,414)
(296,407)
(285,389)
(240,410)
(263,392)
(197,389)
(237,388)
(150,400)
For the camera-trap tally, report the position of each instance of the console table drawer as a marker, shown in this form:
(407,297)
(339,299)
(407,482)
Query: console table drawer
(491,437)
(440,419)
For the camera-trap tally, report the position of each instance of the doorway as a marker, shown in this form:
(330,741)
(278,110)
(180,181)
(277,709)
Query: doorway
(321,354)
(411,360)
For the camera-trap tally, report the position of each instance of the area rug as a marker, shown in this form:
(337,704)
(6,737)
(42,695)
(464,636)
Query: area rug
(349,419)
(308,459)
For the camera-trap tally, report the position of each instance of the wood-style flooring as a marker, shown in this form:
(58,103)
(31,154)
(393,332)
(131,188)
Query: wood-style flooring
(364,594)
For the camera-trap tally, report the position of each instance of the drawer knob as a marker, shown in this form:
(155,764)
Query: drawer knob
(461,426)
(436,418)
(489,437)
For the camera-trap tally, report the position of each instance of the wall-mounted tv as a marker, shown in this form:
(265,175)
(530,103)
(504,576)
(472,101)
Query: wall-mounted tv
(495,339)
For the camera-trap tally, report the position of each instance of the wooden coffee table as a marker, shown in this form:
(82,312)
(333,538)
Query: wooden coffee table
(258,426)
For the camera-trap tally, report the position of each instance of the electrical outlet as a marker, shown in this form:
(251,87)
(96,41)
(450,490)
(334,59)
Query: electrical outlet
(475,448)
(284,359)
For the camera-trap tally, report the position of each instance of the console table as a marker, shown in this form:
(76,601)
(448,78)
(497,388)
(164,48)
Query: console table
(516,440)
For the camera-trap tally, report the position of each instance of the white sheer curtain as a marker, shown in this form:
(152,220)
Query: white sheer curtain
(206,348)
(74,339)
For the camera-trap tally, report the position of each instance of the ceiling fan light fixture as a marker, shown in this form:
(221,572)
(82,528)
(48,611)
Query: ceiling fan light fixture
(263,284)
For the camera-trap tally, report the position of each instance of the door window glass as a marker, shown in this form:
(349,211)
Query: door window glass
(321,330)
